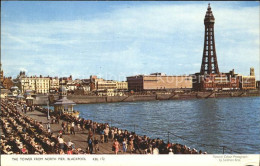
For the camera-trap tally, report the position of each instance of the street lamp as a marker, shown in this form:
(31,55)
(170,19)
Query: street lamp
(48,110)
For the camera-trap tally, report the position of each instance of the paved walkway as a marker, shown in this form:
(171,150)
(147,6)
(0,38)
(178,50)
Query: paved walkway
(79,139)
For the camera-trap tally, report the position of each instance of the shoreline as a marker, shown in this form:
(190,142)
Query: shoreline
(86,99)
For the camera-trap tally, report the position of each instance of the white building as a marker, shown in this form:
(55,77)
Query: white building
(36,84)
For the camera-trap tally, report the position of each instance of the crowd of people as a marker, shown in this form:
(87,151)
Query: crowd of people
(123,140)
(24,135)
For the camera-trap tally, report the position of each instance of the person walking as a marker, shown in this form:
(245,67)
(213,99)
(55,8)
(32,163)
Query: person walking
(96,146)
(117,146)
(112,134)
(94,128)
(124,145)
(48,125)
(58,119)
(102,137)
(106,131)
(49,131)
(131,145)
(79,128)
(61,143)
(68,128)
(72,130)
(71,144)
(90,145)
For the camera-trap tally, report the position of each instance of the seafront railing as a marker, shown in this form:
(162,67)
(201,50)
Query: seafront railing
(169,134)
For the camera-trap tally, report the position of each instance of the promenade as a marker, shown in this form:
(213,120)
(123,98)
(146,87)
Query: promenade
(88,99)
(79,139)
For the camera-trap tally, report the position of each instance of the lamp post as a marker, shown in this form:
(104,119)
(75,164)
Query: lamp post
(168,136)
(48,110)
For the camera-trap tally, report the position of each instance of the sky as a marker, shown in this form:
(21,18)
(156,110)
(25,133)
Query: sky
(114,39)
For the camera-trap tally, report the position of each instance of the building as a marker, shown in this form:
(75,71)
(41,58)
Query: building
(54,84)
(104,85)
(216,82)
(93,82)
(64,80)
(36,84)
(258,85)
(7,82)
(158,81)
(248,82)
(121,86)
(3,92)
(111,85)
(71,85)
(85,85)
(99,84)
(1,73)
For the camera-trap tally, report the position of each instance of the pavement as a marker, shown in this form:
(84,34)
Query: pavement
(79,139)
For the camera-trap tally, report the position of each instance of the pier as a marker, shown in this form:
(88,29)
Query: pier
(25,130)
(79,139)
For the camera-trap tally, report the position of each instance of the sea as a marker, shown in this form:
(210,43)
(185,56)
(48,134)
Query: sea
(214,125)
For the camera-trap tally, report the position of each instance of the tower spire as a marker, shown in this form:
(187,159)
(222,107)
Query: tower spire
(209,63)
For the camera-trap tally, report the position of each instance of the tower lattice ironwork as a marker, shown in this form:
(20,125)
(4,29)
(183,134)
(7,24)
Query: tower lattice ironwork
(209,63)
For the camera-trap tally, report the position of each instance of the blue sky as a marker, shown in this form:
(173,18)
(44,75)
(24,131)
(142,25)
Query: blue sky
(118,39)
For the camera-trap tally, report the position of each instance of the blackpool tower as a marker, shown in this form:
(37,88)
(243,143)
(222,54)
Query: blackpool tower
(209,63)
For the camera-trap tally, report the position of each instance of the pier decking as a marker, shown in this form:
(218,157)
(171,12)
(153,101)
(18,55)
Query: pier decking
(79,139)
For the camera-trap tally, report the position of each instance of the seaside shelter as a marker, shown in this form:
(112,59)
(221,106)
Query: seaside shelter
(64,105)
(19,97)
(29,98)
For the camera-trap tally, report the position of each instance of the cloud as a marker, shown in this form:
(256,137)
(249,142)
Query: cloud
(140,39)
